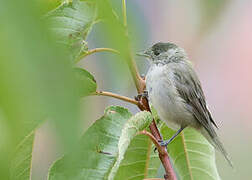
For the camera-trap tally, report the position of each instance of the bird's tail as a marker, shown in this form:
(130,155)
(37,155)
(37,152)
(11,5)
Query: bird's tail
(213,138)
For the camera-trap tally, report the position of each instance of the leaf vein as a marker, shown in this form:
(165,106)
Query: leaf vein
(135,162)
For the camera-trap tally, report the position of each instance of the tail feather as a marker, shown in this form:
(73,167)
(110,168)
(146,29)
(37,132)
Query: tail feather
(218,145)
(213,139)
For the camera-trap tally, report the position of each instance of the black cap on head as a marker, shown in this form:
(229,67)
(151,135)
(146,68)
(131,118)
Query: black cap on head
(162,47)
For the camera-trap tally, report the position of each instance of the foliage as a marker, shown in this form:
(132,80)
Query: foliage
(86,82)
(40,81)
(102,147)
(71,22)
(192,155)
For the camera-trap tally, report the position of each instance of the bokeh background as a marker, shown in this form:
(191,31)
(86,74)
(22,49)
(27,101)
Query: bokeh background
(216,34)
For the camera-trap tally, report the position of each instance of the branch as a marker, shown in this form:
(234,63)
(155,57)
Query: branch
(139,82)
(92,51)
(123,98)
(144,105)
(154,140)
(124,13)
(163,155)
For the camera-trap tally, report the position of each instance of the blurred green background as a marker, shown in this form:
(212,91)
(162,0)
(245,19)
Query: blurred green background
(36,77)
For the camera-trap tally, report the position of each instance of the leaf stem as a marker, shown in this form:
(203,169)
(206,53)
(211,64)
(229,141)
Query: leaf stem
(154,140)
(163,155)
(124,12)
(92,51)
(144,105)
(139,82)
(110,94)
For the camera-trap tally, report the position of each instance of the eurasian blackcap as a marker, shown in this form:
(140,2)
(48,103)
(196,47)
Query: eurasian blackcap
(175,92)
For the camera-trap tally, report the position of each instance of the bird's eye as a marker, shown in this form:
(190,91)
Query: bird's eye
(156,53)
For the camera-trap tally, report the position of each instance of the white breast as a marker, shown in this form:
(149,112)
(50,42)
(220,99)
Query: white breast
(164,96)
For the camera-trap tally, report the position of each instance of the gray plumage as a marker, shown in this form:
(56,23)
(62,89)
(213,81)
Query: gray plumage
(175,91)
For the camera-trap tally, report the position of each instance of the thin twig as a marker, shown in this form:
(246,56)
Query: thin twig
(110,94)
(139,82)
(154,140)
(163,155)
(144,105)
(124,13)
(92,51)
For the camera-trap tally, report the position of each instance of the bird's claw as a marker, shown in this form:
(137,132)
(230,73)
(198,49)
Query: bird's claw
(162,143)
(145,94)
(138,97)
(142,95)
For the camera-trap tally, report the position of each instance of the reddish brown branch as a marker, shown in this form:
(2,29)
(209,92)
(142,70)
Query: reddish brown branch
(117,96)
(154,140)
(144,105)
(163,155)
(92,51)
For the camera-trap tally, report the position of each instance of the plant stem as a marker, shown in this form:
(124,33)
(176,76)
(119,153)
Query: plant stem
(154,140)
(123,98)
(139,82)
(92,51)
(144,105)
(124,13)
(163,155)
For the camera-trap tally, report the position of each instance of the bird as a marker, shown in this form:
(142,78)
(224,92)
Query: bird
(174,90)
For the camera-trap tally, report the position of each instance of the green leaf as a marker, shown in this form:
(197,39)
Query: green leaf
(86,81)
(135,124)
(102,146)
(140,160)
(20,167)
(97,149)
(71,23)
(36,80)
(113,28)
(48,5)
(192,155)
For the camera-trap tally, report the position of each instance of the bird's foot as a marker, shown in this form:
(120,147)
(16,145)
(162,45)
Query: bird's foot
(142,95)
(163,143)
(166,143)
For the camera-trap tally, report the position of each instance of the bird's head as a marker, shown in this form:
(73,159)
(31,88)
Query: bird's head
(164,53)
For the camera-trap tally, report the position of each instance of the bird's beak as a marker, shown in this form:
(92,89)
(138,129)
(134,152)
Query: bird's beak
(143,53)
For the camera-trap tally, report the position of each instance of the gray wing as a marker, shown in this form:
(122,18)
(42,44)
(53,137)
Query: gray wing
(189,88)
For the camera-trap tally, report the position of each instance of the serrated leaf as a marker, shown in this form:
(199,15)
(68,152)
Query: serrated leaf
(102,147)
(134,125)
(48,5)
(192,155)
(97,149)
(86,81)
(36,82)
(140,161)
(20,168)
(71,23)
